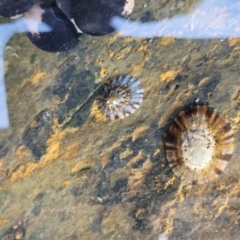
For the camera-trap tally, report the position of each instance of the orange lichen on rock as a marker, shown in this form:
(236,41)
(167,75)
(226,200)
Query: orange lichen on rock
(3,221)
(147,53)
(36,77)
(127,40)
(222,205)
(128,152)
(167,40)
(156,152)
(105,155)
(66,182)
(35,80)
(137,176)
(122,53)
(81,165)
(24,170)
(172,211)
(22,152)
(169,183)
(96,113)
(71,150)
(110,54)
(112,38)
(102,73)
(54,151)
(135,159)
(55,144)
(103,69)
(169,76)
(166,224)
(139,132)
(204,81)
(233,41)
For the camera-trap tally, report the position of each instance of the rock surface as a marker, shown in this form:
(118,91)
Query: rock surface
(66,172)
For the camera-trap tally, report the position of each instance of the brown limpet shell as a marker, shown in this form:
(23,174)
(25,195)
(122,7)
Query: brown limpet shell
(200,145)
(120,97)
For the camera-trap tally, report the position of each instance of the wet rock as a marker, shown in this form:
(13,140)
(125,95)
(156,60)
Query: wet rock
(15,232)
(37,132)
(77,87)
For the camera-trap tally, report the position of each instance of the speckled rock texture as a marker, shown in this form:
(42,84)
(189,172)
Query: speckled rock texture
(67,172)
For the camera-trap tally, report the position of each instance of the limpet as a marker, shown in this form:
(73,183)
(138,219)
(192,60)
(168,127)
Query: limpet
(120,97)
(200,144)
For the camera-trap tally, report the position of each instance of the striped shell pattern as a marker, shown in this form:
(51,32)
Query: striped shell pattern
(200,144)
(120,97)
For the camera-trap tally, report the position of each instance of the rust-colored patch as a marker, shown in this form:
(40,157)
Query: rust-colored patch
(156,152)
(233,41)
(24,170)
(127,40)
(81,165)
(169,183)
(71,150)
(167,40)
(106,153)
(142,48)
(110,54)
(135,159)
(112,38)
(35,80)
(103,69)
(167,224)
(139,132)
(66,182)
(128,152)
(172,211)
(168,76)
(137,176)
(102,73)
(204,81)
(22,152)
(3,222)
(222,207)
(121,54)
(36,77)
(54,151)
(95,112)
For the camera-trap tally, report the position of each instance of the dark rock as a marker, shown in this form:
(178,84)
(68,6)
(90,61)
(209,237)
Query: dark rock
(37,132)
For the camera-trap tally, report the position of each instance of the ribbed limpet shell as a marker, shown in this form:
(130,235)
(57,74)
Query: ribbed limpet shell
(200,145)
(120,97)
